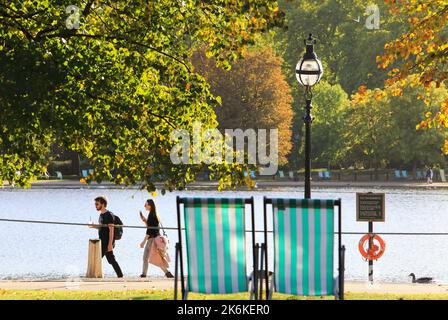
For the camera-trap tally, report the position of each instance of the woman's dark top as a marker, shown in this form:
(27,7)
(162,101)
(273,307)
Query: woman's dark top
(152,221)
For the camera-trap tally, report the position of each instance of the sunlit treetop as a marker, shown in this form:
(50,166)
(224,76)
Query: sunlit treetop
(113,85)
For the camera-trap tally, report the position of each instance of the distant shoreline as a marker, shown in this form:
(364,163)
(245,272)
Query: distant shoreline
(260,185)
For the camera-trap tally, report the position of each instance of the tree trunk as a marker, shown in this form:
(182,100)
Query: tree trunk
(74,156)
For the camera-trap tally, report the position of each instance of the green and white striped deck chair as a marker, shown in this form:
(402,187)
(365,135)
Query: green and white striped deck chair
(303,234)
(215,246)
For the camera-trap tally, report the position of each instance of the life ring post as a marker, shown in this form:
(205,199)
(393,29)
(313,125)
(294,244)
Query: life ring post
(370,246)
(374,250)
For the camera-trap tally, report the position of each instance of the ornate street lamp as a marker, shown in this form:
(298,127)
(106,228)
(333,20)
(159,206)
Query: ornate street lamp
(309,71)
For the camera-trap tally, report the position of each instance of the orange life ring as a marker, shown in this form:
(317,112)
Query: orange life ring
(374,252)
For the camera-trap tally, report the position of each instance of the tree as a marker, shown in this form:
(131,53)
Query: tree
(115,88)
(381,127)
(345,45)
(422,51)
(366,136)
(254,93)
(330,105)
(416,147)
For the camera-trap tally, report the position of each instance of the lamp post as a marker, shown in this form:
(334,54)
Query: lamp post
(308,72)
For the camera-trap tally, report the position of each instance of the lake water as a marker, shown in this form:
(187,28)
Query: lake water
(40,251)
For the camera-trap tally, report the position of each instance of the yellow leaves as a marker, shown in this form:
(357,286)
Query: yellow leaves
(422,125)
(360,96)
(428,35)
(362,90)
(119,159)
(421,45)
(442,119)
(416,49)
(394,72)
(248,181)
(187,87)
(445,147)
(379,95)
(396,92)
(244,34)
(364,96)
(413,20)
(444,107)
(431,47)
(413,80)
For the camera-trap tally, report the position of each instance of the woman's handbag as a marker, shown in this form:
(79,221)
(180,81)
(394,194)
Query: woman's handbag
(159,251)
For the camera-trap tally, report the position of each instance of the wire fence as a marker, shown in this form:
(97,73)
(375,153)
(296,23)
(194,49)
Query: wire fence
(175,228)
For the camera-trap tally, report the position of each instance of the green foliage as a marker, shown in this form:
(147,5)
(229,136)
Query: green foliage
(346,47)
(417,147)
(381,130)
(330,105)
(114,89)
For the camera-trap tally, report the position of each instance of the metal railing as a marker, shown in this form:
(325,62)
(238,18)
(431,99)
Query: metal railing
(175,228)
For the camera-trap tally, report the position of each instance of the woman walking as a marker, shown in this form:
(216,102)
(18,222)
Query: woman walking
(151,221)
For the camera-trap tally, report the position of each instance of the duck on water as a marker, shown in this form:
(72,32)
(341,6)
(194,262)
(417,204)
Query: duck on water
(420,280)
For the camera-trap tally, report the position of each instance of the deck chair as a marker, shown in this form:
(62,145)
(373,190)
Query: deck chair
(321,175)
(90,171)
(419,175)
(442,175)
(215,247)
(281,174)
(59,175)
(252,174)
(291,175)
(397,174)
(85,173)
(327,175)
(404,174)
(303,233)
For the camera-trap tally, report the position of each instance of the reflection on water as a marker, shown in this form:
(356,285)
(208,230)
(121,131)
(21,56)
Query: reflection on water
(55,251)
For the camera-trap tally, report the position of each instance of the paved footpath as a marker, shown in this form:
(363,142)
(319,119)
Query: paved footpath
(168,284)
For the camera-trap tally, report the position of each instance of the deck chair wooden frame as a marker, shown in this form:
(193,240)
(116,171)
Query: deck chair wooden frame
(337,289)
(215,282)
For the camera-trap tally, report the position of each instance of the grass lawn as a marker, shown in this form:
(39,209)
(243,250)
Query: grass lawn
(168,294)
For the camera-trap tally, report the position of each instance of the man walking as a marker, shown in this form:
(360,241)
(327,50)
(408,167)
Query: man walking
(106,234)
(429,175)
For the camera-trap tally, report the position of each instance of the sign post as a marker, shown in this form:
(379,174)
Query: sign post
(370,246)
(370,207)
